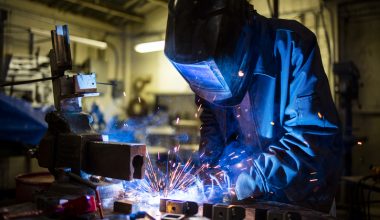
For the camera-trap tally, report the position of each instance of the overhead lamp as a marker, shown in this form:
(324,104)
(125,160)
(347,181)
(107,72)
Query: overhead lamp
(148,47)
(90,42)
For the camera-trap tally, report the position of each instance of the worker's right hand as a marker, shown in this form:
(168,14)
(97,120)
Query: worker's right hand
(247,186)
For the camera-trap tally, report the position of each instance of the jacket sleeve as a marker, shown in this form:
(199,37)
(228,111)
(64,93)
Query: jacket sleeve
(303,161)
(211,139)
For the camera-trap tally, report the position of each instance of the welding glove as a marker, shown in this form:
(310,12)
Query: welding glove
(249,185)
(233,154)
(234,159)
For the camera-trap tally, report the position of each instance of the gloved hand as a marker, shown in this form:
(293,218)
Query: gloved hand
(249,185)
(233,154)
(235,159)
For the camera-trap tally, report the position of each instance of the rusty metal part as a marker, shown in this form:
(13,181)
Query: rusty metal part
(179,207)
(70,142)
(115,160)
(163,205)
(227,212)
(123,206)
(207,210)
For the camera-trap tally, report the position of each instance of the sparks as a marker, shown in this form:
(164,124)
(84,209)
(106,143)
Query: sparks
(199,108)
(178,176)
(320,115)
(176,180)
(241,73)
(232,158)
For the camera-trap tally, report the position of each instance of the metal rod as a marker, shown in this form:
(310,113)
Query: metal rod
(275,9)
(3,17)
(26,81)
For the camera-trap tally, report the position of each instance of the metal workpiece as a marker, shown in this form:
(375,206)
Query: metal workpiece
(64,151)
(207,210)
(162,207)
(123,206)
(64,144)
(227,212)
(187,208)
(283,215)
(84,83)
(115,160)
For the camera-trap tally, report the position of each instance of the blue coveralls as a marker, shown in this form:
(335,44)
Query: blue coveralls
(286,128)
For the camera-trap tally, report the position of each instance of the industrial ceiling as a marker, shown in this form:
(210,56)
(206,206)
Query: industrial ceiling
(115,12)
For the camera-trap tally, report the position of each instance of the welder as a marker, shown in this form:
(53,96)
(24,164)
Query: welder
(268,114)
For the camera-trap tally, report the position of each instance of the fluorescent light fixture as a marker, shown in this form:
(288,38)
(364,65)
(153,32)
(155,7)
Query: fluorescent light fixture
(150,47)
(93,43)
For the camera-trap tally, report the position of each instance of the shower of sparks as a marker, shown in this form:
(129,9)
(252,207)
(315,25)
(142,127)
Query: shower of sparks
(177,180)
(178,176)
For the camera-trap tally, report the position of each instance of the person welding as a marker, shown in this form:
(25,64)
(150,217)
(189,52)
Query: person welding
(268,114)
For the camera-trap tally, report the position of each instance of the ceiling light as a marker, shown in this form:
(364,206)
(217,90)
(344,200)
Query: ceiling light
(94,43)
(150,47)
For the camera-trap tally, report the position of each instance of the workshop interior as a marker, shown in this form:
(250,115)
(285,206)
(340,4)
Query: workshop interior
(190,109)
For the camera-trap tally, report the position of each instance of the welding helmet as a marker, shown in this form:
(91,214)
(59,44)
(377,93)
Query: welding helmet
(209,43)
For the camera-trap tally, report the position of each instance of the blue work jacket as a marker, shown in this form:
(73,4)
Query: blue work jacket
(285,134)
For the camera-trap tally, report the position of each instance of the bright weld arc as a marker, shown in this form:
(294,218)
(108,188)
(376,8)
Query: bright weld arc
(176,181)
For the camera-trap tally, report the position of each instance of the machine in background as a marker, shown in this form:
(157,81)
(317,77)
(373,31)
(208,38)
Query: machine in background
(72,150)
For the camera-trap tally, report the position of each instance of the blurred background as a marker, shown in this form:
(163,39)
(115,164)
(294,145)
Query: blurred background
(142,97)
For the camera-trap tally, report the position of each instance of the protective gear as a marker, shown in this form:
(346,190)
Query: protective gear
(20,122)
(207,41)
(287,120)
